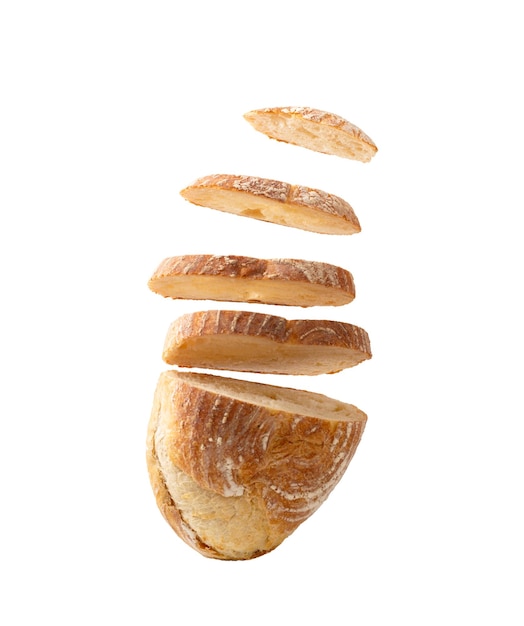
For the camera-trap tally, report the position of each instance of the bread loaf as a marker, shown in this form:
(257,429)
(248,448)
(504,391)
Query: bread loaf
(276,202)
(236,466)
(290,282)
(258,342)
(313,129)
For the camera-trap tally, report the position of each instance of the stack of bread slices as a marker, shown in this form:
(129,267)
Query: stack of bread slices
(237,465)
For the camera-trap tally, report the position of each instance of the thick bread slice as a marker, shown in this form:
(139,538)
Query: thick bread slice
(274,201)
(257,342)
(317,130)
(236,466)
(290,282)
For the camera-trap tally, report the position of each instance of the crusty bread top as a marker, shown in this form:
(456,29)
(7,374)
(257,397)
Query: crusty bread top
(274,201)
(263,343)
(236,465)
(314,129)
(293,282)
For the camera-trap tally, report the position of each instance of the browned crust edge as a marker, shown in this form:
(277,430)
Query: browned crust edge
(235,266)
(276,458)
(163,499)
(271,327)
(287,195)
(324,118)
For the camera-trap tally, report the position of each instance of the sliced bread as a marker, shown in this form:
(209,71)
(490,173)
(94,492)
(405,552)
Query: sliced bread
(274,201)
(292,282)
(314,129)
(237,466)
(262,343)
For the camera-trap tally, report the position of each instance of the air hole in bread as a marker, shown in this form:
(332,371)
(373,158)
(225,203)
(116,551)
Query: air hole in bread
(255,213)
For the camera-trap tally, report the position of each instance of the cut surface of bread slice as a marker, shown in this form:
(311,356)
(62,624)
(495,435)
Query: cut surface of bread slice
(314,129)
(291,282)
(274,201)
(236,466)
(262,343)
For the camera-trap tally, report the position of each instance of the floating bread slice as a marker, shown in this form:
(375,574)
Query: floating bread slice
(258,342)
(274,201)
(313,129)
(290,282)
(237,466)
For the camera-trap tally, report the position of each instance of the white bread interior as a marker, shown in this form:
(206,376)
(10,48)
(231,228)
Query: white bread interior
(276,202)
(257,342)
(290,282)
(314,129)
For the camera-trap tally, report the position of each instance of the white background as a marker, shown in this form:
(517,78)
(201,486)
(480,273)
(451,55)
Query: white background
(108,109)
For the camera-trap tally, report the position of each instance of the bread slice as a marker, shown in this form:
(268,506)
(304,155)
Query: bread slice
(237,466)
(313,129)
(290,282)
(258,342)
(274,201)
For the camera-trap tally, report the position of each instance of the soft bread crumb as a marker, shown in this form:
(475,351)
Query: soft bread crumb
(314,129)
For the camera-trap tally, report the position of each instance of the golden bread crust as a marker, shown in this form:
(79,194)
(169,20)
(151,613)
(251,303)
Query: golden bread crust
(263,343)
(314,129)
(292,282)
(274,201)
(259,458)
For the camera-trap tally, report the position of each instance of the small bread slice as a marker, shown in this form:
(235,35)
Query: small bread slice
(274,201)
(314,129)
(236,466)
(257,342)
(291,282)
